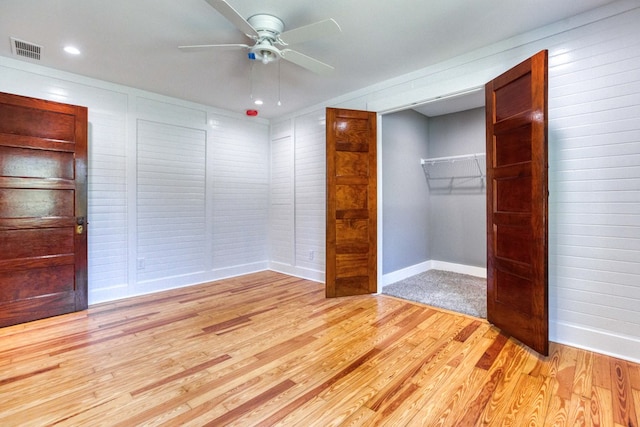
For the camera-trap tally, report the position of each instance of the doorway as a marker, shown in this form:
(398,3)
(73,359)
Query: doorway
(516,199)
(434,203)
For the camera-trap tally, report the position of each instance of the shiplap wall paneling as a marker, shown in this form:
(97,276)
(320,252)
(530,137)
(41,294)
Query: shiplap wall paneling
(107,206)
(594,137)
(123,174)
(281,215)
(170,201)
(240,180)
(281,197)
(310,191)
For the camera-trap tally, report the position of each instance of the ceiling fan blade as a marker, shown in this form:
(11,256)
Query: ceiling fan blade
(306,62)
(234,17)
(328,27)
(201,47)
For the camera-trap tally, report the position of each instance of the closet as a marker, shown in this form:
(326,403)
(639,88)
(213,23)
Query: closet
(434,189)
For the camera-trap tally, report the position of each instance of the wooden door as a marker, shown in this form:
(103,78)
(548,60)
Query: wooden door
(351,248)
(43,209)
(517,193)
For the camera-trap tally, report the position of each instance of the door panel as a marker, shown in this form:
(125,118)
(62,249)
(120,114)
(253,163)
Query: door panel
(26,163)
(53,279)
(43,206)
(351,264)
(517,199)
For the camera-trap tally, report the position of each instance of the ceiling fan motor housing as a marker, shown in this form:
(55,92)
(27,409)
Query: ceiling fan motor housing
(267,25)
(268,28)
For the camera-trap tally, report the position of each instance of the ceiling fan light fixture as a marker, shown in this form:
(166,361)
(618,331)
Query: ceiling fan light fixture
(265,52)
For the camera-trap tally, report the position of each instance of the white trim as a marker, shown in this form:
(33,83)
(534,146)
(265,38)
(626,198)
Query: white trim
(459,268)
(112,293)
(380,236)
(238,270)
(180,281)
(412,270)
(619,346)
(304,273)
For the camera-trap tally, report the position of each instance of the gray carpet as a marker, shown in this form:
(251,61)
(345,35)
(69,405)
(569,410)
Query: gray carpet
(444,289)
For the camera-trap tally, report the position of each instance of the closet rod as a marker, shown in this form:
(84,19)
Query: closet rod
(451,158)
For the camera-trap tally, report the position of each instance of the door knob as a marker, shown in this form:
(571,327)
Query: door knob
(80,225)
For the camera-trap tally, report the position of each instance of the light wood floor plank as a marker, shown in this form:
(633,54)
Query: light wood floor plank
(583,376)
(601,407)
(500,403)
(269,349)
(578,414)
(636,398)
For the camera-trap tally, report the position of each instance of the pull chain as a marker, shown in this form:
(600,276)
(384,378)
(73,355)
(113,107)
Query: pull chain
(279,84)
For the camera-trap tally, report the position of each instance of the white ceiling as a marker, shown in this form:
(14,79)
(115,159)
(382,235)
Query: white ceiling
(134,42)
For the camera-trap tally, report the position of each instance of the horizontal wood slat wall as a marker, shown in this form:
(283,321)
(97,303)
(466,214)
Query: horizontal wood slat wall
(269,349)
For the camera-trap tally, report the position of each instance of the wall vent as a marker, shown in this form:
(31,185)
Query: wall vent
(26,49)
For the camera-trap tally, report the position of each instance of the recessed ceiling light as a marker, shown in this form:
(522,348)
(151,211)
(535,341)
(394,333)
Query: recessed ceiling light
(72,50)
(258,102)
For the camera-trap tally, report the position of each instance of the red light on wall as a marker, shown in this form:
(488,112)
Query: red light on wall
(252,113)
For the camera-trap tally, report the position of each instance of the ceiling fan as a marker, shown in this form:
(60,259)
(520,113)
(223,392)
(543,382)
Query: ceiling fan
(267,33)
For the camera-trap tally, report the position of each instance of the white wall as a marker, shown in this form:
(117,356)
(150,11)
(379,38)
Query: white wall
(594,161)
(178,192)
(298,192)
(457,214)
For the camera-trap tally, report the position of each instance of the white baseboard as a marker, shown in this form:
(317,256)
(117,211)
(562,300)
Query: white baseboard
(156,285)
(110,293)
(460,268)
(304,273)
(238,270)
(622,347)
(412,270)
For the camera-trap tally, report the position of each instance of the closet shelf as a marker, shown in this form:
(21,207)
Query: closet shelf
(466,171)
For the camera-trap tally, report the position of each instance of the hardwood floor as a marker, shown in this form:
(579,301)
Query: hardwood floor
(269,349)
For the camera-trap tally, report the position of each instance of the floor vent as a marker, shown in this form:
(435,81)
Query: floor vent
(26,49)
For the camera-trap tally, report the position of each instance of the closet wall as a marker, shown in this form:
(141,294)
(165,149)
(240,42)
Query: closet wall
(457,214)
(430,223)
(405,195)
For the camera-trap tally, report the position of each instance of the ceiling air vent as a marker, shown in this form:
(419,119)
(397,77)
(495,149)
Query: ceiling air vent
(26,49)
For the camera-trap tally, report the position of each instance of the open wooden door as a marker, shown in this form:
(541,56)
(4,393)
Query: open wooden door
(351,248)
(517,195)
(43,209)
